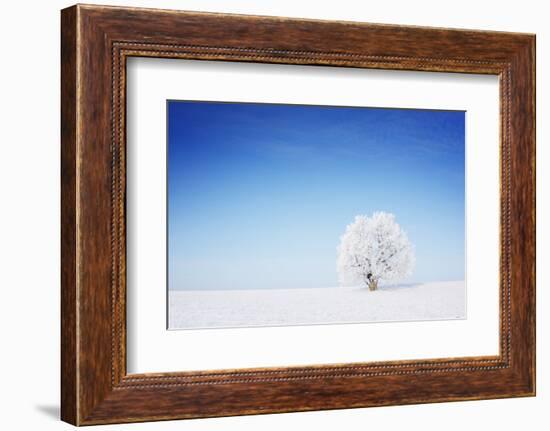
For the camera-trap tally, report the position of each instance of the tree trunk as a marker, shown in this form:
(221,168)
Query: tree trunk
(373,284)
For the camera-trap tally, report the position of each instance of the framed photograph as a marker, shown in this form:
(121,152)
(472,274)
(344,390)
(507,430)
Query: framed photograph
(265,214)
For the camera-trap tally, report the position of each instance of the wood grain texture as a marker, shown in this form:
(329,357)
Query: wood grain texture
(96,41)
(69,366)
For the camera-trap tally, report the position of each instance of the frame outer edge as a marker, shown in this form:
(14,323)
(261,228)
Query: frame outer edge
(523,178)
(69,201)
(530,63)
(533,53)
(532,101)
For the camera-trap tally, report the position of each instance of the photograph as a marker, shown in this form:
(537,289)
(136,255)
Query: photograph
(283,214)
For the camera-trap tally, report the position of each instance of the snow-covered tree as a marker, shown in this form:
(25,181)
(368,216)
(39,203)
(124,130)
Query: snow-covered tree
(372,249)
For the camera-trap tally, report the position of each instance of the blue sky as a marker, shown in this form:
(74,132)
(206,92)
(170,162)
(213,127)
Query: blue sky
(259,194)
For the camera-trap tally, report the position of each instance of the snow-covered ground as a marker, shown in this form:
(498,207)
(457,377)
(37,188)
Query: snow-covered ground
(280,307)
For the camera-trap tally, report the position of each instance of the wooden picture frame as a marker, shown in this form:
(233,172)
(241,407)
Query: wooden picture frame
(95,43)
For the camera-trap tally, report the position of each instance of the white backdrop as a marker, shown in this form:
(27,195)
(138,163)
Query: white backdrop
(29,227)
